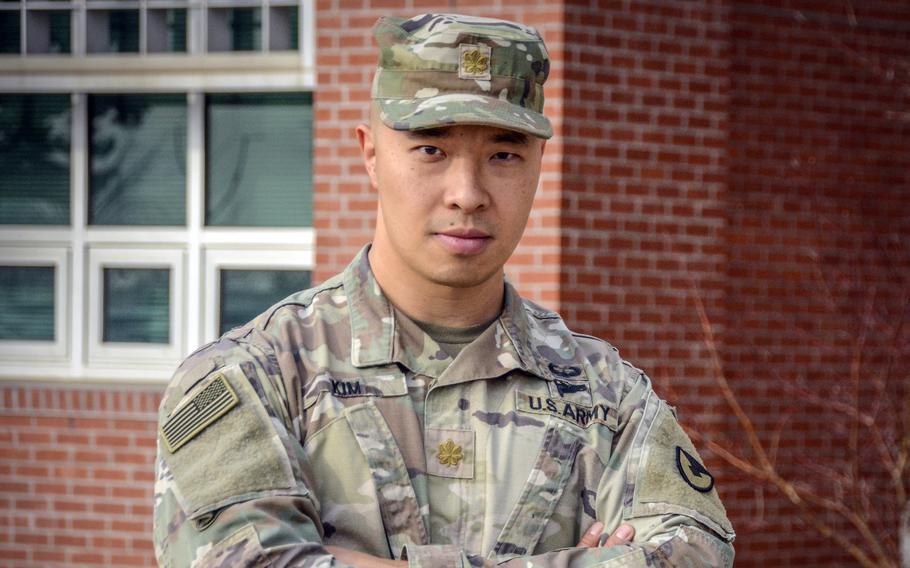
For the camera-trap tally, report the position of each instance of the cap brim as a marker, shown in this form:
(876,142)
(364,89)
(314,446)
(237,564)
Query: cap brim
(458,108)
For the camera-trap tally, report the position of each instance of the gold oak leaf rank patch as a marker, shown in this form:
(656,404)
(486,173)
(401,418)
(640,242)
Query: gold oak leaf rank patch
(693,472)
(475,61)
(194,416)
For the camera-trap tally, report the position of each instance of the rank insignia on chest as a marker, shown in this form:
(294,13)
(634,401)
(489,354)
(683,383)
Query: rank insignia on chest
(196,414)
(450,454)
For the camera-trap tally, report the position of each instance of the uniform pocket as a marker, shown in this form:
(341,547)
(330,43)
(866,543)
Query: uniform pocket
(542,491)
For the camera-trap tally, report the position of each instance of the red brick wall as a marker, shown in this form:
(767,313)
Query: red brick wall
(76,475)
(645,181)
(819,257)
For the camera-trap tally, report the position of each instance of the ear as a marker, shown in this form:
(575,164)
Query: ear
(367,151)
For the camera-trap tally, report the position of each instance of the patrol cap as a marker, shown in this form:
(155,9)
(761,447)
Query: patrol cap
(445,69)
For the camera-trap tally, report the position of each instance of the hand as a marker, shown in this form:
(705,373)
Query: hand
(362,559)
(622,535)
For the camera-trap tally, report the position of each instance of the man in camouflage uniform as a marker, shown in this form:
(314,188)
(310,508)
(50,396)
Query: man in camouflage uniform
(415,410)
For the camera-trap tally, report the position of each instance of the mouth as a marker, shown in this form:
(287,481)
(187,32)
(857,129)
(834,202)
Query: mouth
(463,242)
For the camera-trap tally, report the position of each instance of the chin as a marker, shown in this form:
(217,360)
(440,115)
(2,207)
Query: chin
(464,276)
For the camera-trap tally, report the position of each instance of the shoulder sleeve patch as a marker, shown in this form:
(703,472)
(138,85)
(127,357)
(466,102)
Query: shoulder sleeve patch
(228,448)
(198,412)
(672,478)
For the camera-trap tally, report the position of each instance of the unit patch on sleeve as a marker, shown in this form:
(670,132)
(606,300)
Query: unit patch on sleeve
(693,472)
(196,414)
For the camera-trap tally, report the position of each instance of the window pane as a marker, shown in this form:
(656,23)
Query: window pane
(259,160)
(234,29)
(247,293)
(9,31)
(176,30)
(136,302)
(48,31)
(27,303)
(166,30)
(114,31)
(34,159)
(138,157)
(283,28)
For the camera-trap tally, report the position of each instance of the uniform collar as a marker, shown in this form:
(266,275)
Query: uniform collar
(524,336)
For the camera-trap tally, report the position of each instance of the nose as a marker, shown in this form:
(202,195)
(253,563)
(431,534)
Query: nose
(465,188)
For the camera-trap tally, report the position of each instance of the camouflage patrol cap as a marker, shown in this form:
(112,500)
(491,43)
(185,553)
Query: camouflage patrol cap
(444,69)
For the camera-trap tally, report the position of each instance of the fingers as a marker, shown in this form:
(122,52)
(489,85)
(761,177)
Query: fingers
(621,535)
(591,536)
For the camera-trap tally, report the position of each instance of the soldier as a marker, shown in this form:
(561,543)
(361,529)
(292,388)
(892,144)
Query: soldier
(415,410)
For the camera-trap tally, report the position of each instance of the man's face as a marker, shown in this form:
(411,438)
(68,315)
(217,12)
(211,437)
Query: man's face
(453,201)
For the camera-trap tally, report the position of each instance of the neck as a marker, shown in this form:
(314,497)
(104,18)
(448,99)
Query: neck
(434,303)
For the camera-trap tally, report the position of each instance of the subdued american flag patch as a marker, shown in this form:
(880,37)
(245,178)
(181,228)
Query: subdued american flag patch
(195,415)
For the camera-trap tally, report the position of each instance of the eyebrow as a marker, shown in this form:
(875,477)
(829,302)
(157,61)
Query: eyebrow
(440,132)
(511,137)
(505,136)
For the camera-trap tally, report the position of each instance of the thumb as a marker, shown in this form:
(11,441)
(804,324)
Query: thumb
(621,535)
(592,535)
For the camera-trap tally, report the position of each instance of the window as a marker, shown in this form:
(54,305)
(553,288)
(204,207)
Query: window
(138,159)
(244,293)
(150,26)
(34,305)
(136,306)
(27,303)
(10,35)
(148,204)
(245,282)
(49,31)
(35,159)
(259,149)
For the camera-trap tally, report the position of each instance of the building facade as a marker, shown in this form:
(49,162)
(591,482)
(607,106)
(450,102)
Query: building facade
(169,168)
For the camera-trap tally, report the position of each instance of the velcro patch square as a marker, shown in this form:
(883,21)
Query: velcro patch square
(450,453)
(474,61)
(193,416)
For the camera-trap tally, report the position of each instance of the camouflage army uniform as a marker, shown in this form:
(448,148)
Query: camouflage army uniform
(347,425)
(332,419)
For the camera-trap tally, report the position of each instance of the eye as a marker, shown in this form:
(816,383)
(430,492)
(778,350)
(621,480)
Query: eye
(505,157)
(429,151)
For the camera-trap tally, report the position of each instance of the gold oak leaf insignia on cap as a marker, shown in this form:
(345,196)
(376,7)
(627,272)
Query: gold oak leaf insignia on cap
(475,61)
(194,416)
(693,472)
(450,454)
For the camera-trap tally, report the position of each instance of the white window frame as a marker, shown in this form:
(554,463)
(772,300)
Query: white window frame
(196,70)
(77,352)
(136,356)
(217,259)
(54,351)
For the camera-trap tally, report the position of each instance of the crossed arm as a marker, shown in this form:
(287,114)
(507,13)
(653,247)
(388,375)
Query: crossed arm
(590,539)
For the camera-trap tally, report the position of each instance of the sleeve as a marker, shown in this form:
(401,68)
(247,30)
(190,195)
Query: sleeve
(229,487)
(654,481)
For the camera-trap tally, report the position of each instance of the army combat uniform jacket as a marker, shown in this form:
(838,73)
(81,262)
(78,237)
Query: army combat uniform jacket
(331,419)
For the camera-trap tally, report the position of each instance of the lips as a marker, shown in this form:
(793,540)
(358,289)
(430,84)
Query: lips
(465,242)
